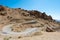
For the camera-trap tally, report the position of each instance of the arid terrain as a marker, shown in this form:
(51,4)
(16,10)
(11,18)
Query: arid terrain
(20,24)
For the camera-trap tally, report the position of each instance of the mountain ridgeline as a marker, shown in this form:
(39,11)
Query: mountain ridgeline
(34,13)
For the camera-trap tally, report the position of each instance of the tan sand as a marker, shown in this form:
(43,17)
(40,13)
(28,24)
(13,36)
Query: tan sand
(45,36)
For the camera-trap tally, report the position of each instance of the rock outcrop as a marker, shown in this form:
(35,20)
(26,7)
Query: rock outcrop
(38,14)
(18,15)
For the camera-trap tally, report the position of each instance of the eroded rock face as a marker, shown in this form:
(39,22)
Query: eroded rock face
(49,29)
(2,8)
(35,13)
(18,15)
(13,12)
(38,14)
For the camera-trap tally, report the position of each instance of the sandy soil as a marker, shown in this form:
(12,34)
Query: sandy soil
(44,36)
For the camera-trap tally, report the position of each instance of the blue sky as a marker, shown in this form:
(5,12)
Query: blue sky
(51,7)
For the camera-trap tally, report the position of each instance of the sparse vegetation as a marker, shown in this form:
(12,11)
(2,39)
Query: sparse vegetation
(6,38)
(19,37)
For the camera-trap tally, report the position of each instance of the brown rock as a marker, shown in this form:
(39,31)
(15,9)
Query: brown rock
(2,8)
(38,14)
(49,29)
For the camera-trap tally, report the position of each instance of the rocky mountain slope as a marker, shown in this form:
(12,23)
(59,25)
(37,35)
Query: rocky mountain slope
(28,18)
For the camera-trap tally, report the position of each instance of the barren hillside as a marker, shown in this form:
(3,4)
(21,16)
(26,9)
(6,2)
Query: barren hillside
(28,18)
(20,24)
